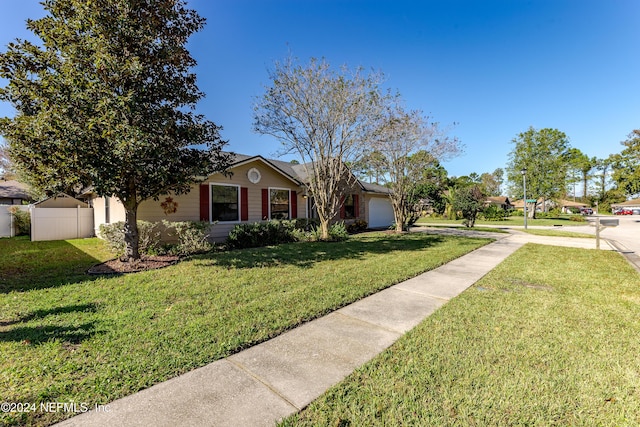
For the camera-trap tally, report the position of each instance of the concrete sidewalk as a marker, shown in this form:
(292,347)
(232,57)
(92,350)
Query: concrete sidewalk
(265,383)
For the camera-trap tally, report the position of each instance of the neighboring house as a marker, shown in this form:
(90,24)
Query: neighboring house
(540,204)
(629,204)
(567,206)
(258,189)
(502,202)
(13,193)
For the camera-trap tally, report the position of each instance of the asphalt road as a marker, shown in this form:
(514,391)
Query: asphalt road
(625,237)
(627,233)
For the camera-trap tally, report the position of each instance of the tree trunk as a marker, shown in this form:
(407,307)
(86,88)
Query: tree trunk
(324,229)
(531,213)
(131,252)
(399,221)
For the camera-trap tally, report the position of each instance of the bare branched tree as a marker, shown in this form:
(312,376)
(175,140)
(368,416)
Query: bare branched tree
(326,117)
(409,143)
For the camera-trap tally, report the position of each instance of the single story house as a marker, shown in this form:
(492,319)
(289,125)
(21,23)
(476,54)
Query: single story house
(629,204)
(14,193)
(567,206)
(542,205)
(500,201)
(258,189)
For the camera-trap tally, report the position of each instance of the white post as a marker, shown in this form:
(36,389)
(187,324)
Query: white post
(598,233)
(12,231)
(32,214)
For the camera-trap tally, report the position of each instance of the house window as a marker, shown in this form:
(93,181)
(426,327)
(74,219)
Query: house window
(225,202)
(349,207)
(279,203)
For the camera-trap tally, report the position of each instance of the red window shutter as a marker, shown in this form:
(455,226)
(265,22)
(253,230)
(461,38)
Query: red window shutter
(294,204)
(244,204)
(204,202)
(265,203)
(356,206)
(342,212)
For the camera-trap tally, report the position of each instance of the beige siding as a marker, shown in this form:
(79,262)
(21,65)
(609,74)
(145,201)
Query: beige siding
(188,208)
(270,178)
(116,210)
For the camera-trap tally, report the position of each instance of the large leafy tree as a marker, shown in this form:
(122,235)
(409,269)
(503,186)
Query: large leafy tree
(581,165)
(326,117)
(603,175)
(469,201)
(106,98)
(370,167)
(409,144)
(428,188)
(544,154)
(626,165)
(491,183)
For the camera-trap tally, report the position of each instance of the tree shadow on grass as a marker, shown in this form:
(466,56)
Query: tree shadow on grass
(304,255)
(26,265)
(72,334)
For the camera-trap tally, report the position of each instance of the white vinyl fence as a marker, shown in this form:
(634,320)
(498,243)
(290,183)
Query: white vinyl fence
(6,220)
(61,223)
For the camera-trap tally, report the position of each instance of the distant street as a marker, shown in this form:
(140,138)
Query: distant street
(627,233)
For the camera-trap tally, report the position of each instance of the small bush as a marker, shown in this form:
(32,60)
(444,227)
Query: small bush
(542,215)
(305,224)
(577,218)
(261,234)
(192,236)
(275,232)
(21,220)
(148,237)
(304,236)
(338,232)
(357,226)
(494,213)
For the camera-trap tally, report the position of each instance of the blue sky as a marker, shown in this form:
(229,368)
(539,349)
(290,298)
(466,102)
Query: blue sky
(494,67)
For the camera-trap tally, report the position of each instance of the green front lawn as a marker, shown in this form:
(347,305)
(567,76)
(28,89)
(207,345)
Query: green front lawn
(26,265)
(548,338)
(66,337)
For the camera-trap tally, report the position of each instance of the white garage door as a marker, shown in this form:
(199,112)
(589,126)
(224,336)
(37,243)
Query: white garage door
(380,213)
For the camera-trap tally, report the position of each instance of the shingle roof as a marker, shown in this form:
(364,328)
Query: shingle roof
(633,202)
(13,190)
(298,172)
(375,188)
(500,200)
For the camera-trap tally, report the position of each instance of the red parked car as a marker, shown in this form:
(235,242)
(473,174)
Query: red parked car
(623,212)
